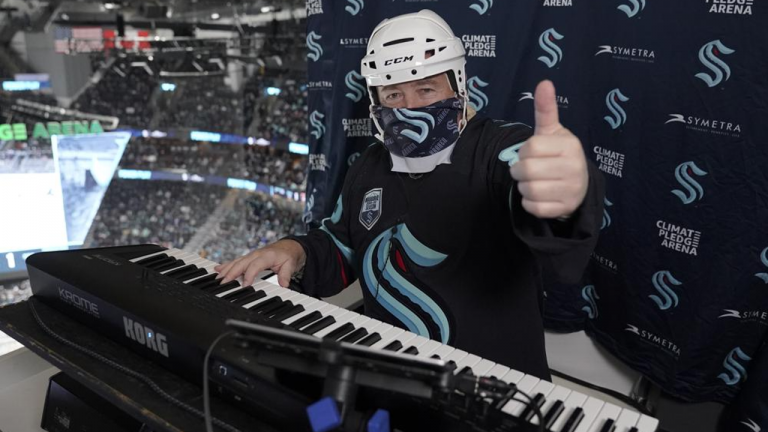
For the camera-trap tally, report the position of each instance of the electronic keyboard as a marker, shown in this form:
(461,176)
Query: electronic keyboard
(169,306)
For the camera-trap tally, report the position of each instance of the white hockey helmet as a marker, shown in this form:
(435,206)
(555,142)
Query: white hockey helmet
(398,49)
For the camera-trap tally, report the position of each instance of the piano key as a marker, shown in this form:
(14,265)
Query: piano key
(193,274)
(388,337)
(633,429)
(647,424)
(525,385)
(443,351)
(497,371)
(543,388)
(605,420)
(591,409)
(293,310)
(144,261)
(319,325)
(513,377)
(159,263)
(529,412)
(410,350)
(300,316)
(306,320)
(222,290)
(340,332)
(267,310)
(237,294)
(287,304)
(455,356)
(555,405)
(428,348)
(574,401)
(270,302)
(626,420)
(355,336)
(468,361)
(253,295)
(482,367)
(169,266)
(370,339)
(338,315)
(393,346)
(198,282)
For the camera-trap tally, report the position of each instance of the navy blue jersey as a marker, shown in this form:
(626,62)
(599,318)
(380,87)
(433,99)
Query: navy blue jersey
(452,255)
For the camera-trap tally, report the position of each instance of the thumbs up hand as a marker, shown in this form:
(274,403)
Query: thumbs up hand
(551,171)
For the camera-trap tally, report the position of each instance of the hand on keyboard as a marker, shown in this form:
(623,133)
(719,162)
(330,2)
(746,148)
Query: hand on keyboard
(284,257)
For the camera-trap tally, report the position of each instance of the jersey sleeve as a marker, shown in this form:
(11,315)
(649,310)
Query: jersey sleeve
(562,248)
(329,267)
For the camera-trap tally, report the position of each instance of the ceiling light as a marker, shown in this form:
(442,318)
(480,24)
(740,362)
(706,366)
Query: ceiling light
(215,16)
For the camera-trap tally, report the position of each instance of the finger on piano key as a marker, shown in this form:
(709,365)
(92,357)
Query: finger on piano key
(543,388)
(647,424)
(626,420)
(525,385)
(606,420)
(591,410)
(555,405)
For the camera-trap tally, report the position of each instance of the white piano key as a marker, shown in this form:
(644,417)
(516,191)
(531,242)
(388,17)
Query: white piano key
(497,371)
(609,411)
(513,377)
(545,388)
(455,356)
(627,419)
(417,342)
(482,367)
(468,361)
(309,307)
(647,424)
(406,338)
(429,348)
(443,351)
(573,401)
(559,393)
(525,385)
(376,326)
(133,260)
(591,409)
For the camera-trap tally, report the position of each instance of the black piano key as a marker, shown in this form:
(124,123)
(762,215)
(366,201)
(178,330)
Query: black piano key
(150,260)
(266,304)
(554,412)
(355,335)
(466,370)
(209,285)
(435,356)
(154,264)
(573,420)
(341,331)
(269,309)
(170,266)
(235,295)
(634,429)
(182,271)
(251,297)
(608,426)
(282,316)
(283,307)
(319,325)
(223,288)
(197,283)
(411,350)
(394,346)
(528,412)
(370,339)
(306,319)
(192,275)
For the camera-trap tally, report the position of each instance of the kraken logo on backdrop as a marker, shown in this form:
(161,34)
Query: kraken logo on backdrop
(315,49)
(764,260)
(316,120)
(618,116)
(735,371)
(477,97)
(482,7)
(356,89)
(547,43)
(708,56)
(588,293)
(694,191)
(606,217)
(354,7)
(634,9)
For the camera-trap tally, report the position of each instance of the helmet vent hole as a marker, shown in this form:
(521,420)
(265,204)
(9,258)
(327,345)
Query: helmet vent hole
(372,65)
(389,77)
(442,48)
(459,79)
(372,52)
(414,72)
(429,53)
(398,41)
(430,40)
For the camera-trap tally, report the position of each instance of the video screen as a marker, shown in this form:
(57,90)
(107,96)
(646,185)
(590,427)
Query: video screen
(51,194)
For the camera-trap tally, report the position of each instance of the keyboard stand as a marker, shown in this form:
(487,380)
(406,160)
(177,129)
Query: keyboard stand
(126,393)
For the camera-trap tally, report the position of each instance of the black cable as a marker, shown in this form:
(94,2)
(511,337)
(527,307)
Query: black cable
(130,372)
(206,392)
(622,397)
(534,407)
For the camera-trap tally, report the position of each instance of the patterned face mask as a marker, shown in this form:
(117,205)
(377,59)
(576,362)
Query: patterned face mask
(419,132)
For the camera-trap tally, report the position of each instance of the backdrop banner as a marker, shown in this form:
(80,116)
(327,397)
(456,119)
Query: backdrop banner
(670,101)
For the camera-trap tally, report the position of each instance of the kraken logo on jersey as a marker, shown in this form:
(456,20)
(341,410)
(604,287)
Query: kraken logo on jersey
(370,211)
(394,287)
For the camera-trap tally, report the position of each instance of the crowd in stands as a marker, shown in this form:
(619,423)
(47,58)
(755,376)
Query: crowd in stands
(160,212)
(256,220)
(204,103)
(281,117)
(260,164)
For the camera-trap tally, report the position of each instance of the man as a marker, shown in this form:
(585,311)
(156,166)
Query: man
(447,224)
